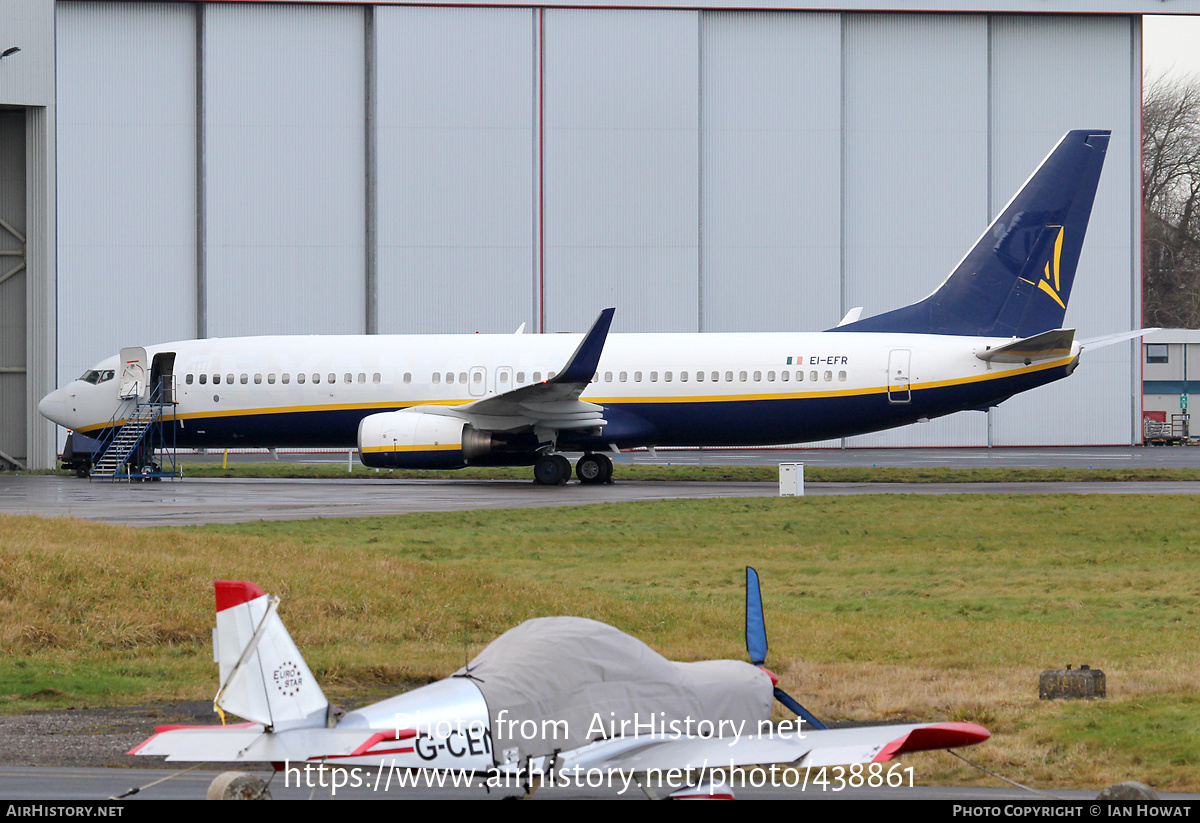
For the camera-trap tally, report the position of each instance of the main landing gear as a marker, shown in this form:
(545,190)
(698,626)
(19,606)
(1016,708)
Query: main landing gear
(554,469)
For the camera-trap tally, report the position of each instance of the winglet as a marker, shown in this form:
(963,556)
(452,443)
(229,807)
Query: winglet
(583,362)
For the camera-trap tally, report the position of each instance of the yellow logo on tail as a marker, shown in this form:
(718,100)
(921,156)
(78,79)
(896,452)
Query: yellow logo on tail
(1044,284)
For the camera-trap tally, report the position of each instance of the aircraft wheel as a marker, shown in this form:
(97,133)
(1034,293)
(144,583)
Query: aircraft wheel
(594,469)
(551,470)
(238,786)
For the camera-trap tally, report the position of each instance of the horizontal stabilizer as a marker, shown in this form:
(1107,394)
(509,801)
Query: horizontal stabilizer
(1049,345)
(1112,339)
(253,743)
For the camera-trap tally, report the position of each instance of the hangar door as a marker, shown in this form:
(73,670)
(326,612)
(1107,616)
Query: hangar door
(12,289)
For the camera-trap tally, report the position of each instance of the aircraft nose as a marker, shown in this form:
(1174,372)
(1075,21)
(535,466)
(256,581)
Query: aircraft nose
(54,407)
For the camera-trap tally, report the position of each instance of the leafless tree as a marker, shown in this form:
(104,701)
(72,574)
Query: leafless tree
(1171,203)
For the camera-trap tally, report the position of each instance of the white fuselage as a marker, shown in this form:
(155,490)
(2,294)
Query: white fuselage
(656,389)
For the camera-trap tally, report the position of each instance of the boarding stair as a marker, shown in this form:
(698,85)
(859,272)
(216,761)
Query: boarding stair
(129,453)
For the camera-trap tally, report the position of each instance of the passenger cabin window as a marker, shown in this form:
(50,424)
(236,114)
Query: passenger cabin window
(332,378)
(812,375)
(229,379)
(758,377)
(608,377)
(653,377)
(784,376)
(742,376)
(842,376)
(683,377)
(537,377)
(637,377)
(188,380)
(287,378)
(699,376)
(362,377)
(449,377)
(258,379)
(437,378)
(667,377)
(271,378)
(624,377)
(728,377)
(375,378)
(316,378)
(300,378)
(828,376)
(203,379)
(407,377)
(462,377)
(520,377)
(245,379)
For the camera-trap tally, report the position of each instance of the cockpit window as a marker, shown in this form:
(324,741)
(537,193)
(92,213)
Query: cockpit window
(95,376)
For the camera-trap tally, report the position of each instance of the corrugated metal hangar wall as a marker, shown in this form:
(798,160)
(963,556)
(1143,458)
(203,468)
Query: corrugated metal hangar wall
(229,169)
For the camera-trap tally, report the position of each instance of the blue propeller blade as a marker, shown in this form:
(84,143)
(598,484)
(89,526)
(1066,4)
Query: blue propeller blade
(756,627)
(756,644)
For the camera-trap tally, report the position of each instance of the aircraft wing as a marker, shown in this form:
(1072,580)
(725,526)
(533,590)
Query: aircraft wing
(800,749)
(553,403)
(251,742)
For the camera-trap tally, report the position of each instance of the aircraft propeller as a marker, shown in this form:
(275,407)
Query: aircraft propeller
(756,646)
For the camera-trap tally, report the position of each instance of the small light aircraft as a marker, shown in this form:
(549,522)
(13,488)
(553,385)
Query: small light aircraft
(991,330)
(554,701)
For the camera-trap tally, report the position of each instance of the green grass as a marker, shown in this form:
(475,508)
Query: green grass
(685,472)
(878,607)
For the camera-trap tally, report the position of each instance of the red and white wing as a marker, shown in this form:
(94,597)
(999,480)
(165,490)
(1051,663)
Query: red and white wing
(827,747)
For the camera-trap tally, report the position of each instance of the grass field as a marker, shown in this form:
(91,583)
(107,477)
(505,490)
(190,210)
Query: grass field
(878,608)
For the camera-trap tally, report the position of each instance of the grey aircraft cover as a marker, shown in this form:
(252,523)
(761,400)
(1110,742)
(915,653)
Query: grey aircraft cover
(557,683)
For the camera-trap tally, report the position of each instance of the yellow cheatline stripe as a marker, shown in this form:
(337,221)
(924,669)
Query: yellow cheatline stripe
(616,401)
(421,448)
(286,410)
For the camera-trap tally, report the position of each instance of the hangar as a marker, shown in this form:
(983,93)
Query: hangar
(198,169)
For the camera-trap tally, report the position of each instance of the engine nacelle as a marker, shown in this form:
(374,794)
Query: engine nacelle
(414,439)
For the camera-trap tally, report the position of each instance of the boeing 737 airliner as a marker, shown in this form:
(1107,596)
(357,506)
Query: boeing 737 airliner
(991,330)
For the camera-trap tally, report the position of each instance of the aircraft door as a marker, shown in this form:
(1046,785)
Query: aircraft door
(162,375)
(133,373)
(898,388)
(477,381)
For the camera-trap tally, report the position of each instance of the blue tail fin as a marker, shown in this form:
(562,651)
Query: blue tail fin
(1017,279)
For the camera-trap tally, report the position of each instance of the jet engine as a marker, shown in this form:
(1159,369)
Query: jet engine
(417,439)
